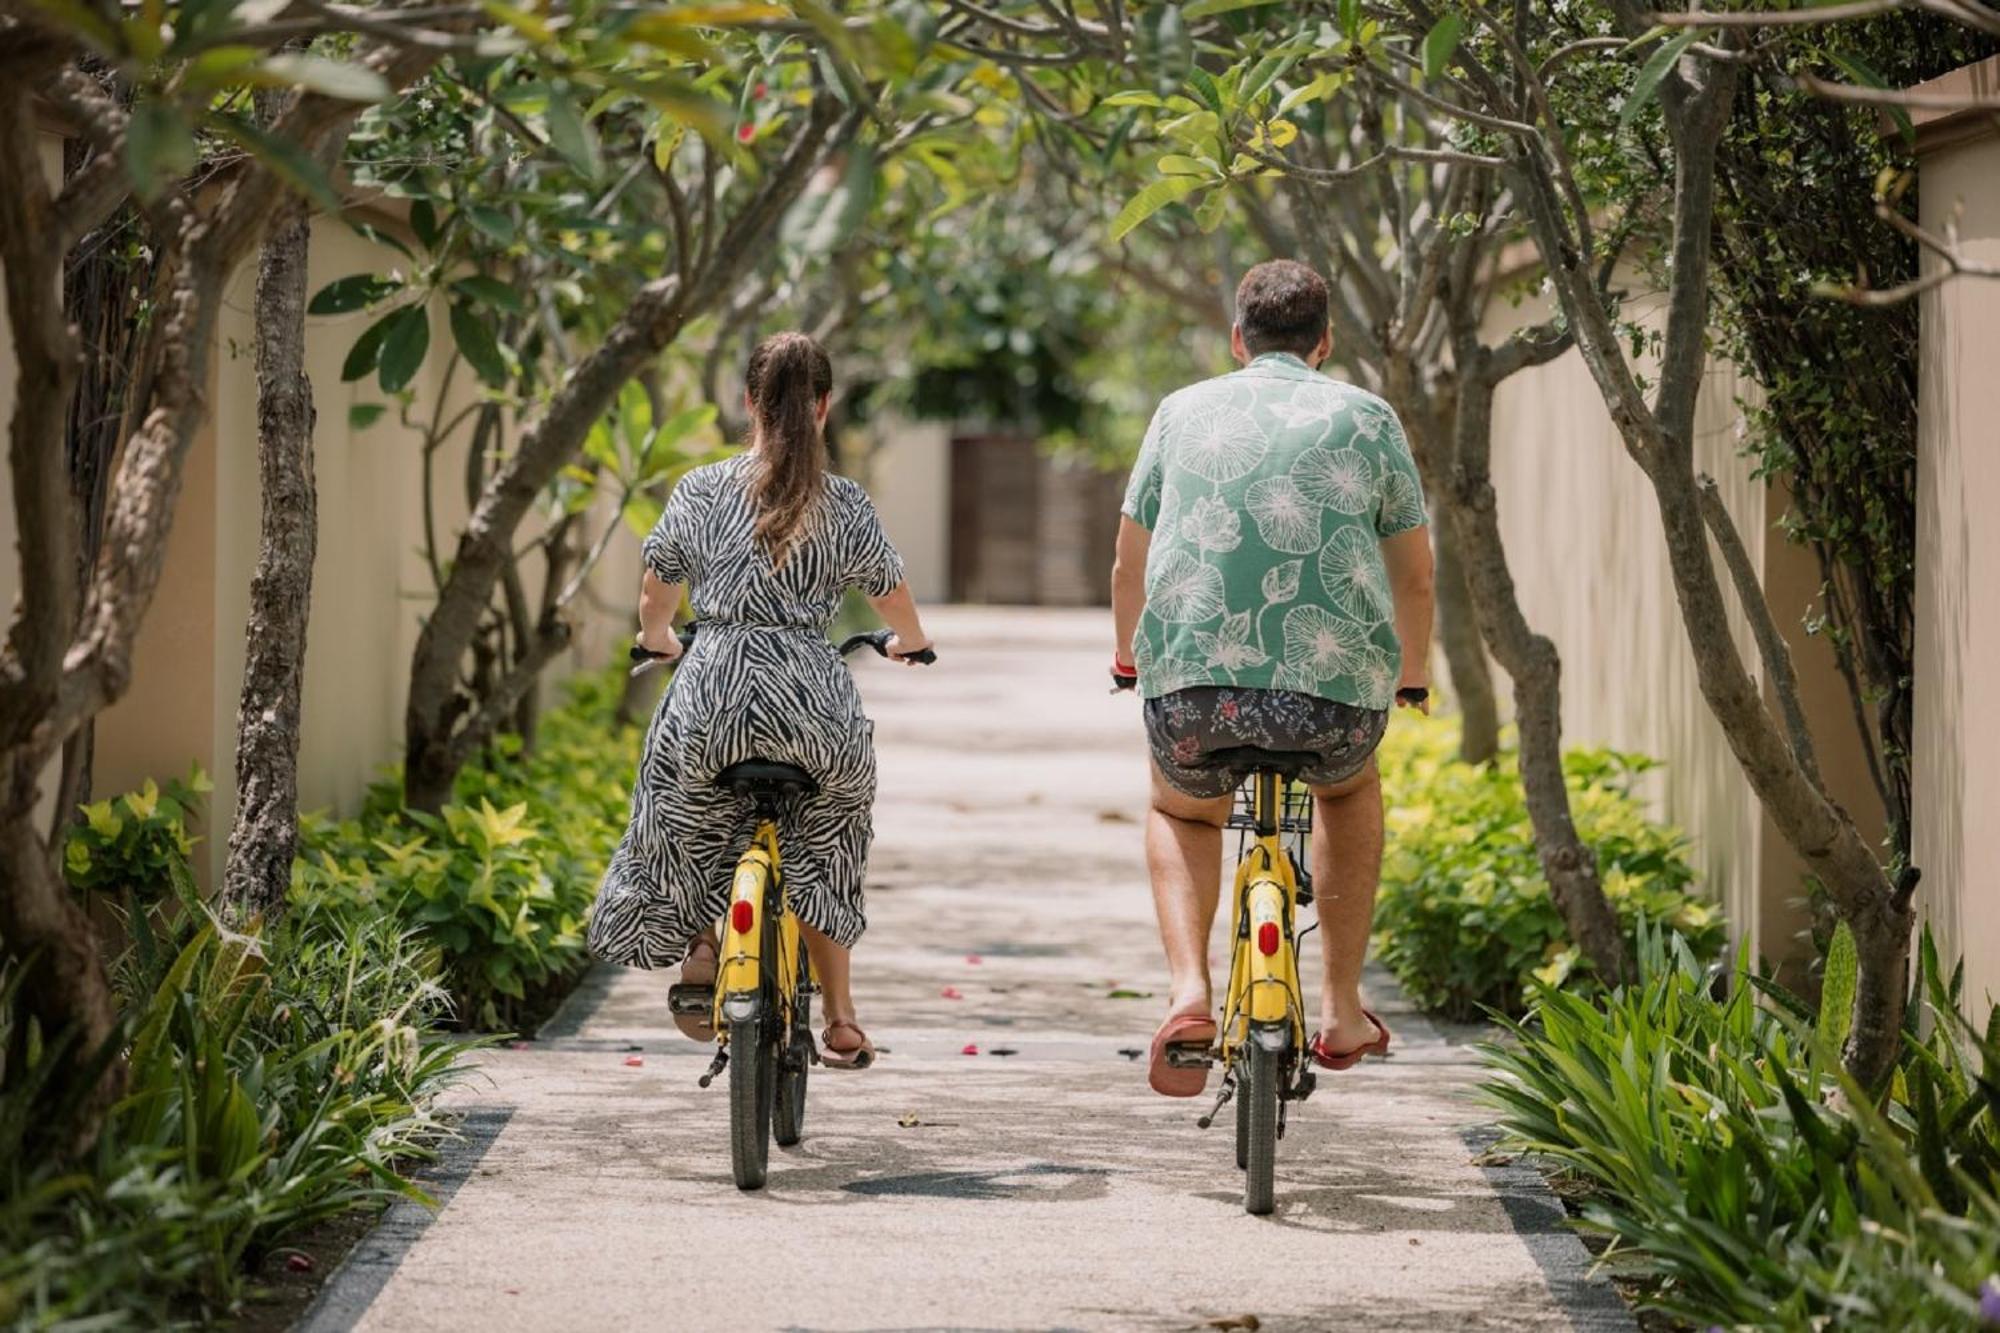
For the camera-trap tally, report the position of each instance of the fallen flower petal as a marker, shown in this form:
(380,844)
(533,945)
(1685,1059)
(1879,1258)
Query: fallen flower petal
(971,1048)
(974,959)
(299,1263)
(634,1061)
(951,993)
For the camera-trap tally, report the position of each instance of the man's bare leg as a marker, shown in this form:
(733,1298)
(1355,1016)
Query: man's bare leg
(1346,869)
(1184,855)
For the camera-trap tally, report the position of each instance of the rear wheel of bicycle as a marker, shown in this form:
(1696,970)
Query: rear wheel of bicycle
(753,1076)
(788,1119)
(1259,1117)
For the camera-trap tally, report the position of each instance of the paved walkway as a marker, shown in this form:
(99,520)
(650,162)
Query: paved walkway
(1035,1185)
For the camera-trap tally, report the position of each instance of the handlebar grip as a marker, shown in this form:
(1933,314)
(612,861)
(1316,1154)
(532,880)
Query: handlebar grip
(879,641)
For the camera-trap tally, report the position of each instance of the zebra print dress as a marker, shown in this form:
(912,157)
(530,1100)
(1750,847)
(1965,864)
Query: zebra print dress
(761,681)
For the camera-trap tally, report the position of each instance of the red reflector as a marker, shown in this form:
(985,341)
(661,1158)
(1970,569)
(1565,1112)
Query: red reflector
(1267,938)
(742,916)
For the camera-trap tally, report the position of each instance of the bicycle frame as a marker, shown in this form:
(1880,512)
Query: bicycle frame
(757,890)
(1263,1001)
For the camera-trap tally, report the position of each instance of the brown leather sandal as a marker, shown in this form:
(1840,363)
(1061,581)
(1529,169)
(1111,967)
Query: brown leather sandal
(860,1057)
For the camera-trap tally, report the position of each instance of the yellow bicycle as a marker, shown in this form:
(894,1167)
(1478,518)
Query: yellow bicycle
(1261,1038)
(761,1000)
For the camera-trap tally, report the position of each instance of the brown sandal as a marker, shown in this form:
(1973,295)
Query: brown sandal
(692,1002)
(859,1058)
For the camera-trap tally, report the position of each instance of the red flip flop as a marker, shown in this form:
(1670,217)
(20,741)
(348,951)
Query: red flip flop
(1327,1059)
(1180,1030)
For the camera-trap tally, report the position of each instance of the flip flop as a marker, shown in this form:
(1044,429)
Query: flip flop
(692,1002)
(860,1057)
(1329,1059)
(1196,1030)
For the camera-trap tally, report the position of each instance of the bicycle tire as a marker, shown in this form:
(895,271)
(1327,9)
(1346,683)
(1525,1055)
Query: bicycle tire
(788,1113)
(752,1074)
(1259,1091)
(1242,1128)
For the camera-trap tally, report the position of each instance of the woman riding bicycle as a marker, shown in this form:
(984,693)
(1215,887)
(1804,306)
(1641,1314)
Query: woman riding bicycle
(765,544)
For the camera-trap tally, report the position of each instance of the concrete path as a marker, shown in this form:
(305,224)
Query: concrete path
(1035,1185)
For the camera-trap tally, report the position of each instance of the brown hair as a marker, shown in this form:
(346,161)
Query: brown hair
(789,373)
(1281,307)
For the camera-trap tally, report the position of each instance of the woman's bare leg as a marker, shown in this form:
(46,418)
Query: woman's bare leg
(832,970)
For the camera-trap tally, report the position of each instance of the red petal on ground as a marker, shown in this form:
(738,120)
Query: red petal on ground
(971,1048)
(974,959)
(951,993)
(634,1061)
(299,1263)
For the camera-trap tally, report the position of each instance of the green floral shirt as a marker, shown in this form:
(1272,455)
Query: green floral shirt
(1268,492)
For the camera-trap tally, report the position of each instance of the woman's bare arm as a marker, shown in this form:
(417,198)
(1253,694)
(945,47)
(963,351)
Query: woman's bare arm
(659,603)
(898,609)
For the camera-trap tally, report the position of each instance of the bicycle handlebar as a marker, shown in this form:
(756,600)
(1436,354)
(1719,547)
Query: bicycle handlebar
(876,639)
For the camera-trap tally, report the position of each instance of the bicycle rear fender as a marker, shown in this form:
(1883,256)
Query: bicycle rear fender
(1271,982)
(739,977)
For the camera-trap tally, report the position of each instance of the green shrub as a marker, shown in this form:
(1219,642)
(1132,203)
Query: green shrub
(501,882)
(273,1080)
(1731,1161)
(1465,919)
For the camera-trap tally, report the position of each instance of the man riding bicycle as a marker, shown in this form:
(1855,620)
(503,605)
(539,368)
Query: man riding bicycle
(1272,589)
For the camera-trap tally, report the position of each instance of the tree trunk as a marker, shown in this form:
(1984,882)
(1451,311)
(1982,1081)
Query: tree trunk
(1531,660)
(265,835)
(1464,652)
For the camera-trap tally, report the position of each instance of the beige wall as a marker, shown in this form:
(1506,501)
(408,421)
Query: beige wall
(1588,554)
(908,474)
(1957,777)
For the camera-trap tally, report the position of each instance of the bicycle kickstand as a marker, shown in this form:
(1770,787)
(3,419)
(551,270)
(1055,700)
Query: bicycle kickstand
(1221,1100)
(715,1066)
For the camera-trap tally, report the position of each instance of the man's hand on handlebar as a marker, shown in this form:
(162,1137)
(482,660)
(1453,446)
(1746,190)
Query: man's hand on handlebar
(1124,675)
(1415,696)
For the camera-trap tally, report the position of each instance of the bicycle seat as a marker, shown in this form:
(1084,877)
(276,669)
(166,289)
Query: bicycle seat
(1255,758)
(754,776)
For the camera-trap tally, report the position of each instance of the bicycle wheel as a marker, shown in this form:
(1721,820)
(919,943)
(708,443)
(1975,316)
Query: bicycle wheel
(753,1075)
(788,1117)
(1258,1090)
(1242,1128)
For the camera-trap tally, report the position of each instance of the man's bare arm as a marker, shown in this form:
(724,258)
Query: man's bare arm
(1128,586)
(1407,555)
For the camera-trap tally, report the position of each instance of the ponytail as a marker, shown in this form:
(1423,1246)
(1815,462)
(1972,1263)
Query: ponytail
(789,373)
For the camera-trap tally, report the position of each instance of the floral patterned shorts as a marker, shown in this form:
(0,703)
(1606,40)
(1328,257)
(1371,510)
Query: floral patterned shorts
(1187,726)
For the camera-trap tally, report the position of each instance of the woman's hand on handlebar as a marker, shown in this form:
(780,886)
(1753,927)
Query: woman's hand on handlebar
(905,651)
(665,646)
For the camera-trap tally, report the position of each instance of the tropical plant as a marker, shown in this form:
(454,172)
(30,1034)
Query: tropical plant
(1465,919)
(1736,1165)
(499,882)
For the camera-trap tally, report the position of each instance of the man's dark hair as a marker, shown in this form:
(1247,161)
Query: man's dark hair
(1281,307)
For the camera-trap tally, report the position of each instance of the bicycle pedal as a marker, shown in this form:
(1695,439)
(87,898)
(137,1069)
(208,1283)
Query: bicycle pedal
(688,998)
(1184,1056)
(715,1067)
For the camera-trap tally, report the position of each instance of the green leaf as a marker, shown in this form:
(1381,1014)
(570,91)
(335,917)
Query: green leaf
(159,146)
(493,222)
(1201,9)
(1133,97)
(403,347)
(1178,164)
(1152,199)
(570,136)
(475,340)
(331,78)
(286,160)
(491,291)
(1440,42)
(424,222)
(353,292)
(1206,90)
(367,349)
(360,416)
(1652,73)
(1836,992)
(1866,75)
(1349,17)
